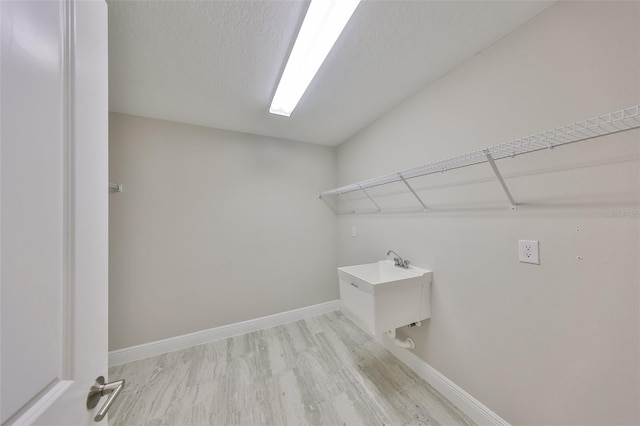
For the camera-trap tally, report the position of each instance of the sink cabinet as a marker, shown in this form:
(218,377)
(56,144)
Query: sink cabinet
(381,296)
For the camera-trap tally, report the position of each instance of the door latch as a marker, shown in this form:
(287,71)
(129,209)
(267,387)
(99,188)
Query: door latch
(100,389)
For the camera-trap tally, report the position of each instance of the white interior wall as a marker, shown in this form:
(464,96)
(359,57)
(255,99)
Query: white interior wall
(556,343)
(213,228)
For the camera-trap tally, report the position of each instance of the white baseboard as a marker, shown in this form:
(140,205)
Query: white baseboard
(134,353)
(473,408)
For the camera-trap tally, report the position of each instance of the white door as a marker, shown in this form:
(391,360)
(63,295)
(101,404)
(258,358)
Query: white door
(53,209)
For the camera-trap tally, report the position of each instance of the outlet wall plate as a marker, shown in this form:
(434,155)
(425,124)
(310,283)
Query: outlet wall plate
(528,251)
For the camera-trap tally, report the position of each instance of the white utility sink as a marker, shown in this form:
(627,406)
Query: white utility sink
(381,297)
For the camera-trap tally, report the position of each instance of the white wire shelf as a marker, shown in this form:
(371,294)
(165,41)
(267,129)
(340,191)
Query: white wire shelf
(606,124)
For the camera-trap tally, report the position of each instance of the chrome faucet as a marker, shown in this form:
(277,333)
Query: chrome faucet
(399,261)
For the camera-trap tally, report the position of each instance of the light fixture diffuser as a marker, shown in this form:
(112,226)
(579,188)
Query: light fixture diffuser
(322,25)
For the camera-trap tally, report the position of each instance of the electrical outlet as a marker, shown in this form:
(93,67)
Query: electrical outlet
(528,251)
(353,232)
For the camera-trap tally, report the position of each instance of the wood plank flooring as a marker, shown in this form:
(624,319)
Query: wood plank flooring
(320,371)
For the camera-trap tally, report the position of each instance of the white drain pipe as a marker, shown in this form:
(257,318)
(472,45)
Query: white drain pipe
(407,344)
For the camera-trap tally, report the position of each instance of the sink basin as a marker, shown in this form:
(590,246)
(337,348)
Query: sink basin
(382,272)
(381,296)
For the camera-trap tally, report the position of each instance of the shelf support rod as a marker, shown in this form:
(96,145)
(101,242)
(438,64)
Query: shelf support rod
(370,199)
(492,163)
(424,206)
(346,203)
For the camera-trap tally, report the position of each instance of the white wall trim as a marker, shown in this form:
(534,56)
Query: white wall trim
(146,350)
(473,408)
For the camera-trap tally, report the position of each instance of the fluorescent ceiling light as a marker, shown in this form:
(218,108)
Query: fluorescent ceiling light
(322,25)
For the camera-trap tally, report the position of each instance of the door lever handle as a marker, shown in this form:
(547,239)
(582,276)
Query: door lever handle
(100,389)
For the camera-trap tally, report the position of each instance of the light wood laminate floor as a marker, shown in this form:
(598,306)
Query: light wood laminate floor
(319,371)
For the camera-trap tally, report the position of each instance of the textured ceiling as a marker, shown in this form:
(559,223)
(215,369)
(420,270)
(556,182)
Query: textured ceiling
(217,63)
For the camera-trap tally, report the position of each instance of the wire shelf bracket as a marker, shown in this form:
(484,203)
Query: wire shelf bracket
(352,211)
(606,124)
(492,163)
(424,206)
(371,199)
